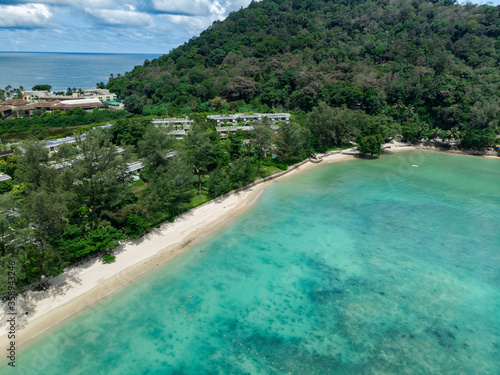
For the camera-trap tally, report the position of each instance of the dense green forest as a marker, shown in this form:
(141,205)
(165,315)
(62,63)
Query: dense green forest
(430,66)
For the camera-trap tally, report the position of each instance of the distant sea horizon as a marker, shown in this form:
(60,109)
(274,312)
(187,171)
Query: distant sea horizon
(65,69)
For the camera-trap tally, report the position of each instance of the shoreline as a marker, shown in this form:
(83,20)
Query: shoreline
(455,152)
(81,287)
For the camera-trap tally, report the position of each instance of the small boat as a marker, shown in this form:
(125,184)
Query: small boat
(415,166)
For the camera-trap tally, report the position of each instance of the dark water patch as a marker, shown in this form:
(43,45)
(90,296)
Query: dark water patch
(322,297)
(444,337)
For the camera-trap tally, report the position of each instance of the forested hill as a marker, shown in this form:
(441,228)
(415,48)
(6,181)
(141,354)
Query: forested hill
(435,58)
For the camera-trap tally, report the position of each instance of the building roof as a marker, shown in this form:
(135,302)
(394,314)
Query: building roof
(245,116)
(171,120)
(83,106)
(46,105)
(97,91)
(4,108)
(58,97)
(35,93)
(80,101)
(132,167)
(14,102)
(26,107)
(221,117)
(276,115)
(4,177)
(59,141)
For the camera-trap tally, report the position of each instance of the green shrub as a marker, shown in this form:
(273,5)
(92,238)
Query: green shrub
(108,258)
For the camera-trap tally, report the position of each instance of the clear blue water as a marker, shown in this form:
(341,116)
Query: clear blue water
(362,267)
(63,70)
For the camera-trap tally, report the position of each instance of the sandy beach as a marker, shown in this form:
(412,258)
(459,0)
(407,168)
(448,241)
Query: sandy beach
(81,286)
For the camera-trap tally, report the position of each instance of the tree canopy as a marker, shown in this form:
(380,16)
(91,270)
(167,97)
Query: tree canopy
(426,61)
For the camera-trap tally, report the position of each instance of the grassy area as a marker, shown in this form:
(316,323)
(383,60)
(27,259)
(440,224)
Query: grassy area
(199,199)
(268,170)
(138,188)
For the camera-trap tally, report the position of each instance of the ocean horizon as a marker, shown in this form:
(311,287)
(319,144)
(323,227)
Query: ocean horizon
(371,266)
(65,69)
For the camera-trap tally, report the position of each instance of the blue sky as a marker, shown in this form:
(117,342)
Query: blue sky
(111,26)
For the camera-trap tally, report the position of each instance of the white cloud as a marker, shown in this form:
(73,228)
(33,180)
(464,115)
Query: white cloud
(25,16)
(189,24)
(74,3)
(139,36)
(121,17)
(193,7)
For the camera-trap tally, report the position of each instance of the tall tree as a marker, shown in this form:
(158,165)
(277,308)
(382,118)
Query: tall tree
(484,115)
(156,147)
(102,174)
(374,132)
(241,172)
(133,104)
(219,182)
(261,136)
(290,142)
(33,165)
(45,212)
(169,188)
(200,151)
(333,126)
(128,131)
(8,215)
(42,88)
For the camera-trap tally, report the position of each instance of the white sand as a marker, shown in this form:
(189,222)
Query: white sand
(82,286)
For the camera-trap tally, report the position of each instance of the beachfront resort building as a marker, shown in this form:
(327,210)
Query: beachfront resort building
(228,123)
(21,107)
(179,126)
(243,117)
(174,123)
(102,95)
(53,144)
(46,96)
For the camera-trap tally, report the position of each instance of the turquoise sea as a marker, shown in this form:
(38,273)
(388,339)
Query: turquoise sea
(63,70)
(361,267)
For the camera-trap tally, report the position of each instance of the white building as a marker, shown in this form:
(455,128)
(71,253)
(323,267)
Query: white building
(176,123)
(53,144)
(242,117)
(99,94)
(4,177)
(34,96)
(225,130)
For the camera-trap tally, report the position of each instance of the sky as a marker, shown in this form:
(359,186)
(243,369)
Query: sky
(110,26)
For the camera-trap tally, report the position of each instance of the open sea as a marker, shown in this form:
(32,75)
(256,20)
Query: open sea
(361,267)
(63,70)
